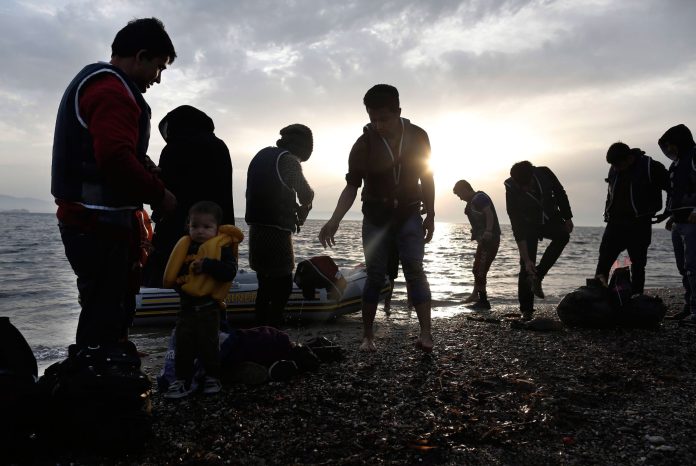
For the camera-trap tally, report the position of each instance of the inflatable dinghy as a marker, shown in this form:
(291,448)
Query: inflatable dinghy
(158,306)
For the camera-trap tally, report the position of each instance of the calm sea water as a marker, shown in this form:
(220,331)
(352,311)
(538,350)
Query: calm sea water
(40,297)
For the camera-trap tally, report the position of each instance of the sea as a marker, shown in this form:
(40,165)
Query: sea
(40,296)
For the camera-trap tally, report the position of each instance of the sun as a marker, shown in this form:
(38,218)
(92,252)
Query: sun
(479,149)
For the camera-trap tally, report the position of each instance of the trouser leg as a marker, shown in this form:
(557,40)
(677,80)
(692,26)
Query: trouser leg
(639,242)
(485,253)
(208,342)
(613,242)
(185,345)
(281,287)
(263,299)
(559,238)
(524,292)
(686,260)
(102,266)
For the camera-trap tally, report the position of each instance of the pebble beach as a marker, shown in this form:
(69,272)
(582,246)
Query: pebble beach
(489,394)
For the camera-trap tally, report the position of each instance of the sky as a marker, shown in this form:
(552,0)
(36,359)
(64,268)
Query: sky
(493,82)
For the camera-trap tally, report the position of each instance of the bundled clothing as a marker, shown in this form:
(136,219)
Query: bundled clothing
(536,214)
(634,196)
(391,201)
(195,166)
(275,185)
(99,178)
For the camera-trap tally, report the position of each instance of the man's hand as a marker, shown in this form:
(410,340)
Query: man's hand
(568,226)
(197,266)
(429,227)
(327,233)
(530,267)
(151,166)
(668,225)
(168,202)
(487,236)
(692,217)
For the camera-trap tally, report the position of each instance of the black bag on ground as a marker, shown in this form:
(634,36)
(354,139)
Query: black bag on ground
(642,311)
(18,374)
(319,272)
(588,306)
(97,399)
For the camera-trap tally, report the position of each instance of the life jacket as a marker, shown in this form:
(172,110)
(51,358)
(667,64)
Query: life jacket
(269,201)
(537,210)
(202,284)
(646,197)
(74,173)
(477,219)
(392,180)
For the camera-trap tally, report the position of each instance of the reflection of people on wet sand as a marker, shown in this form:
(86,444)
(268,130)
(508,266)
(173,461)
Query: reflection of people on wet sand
(391,157)
(485,230)
(275,183)
(538,208)
(634,196)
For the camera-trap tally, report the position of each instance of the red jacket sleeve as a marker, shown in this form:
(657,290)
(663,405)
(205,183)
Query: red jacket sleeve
(112,119)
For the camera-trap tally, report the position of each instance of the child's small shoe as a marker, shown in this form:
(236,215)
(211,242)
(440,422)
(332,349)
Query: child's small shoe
(211,386)
(177,390)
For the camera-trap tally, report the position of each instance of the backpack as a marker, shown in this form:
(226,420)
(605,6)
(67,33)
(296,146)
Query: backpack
(589,306)
(319,272)
(97,399)
(18,374)
(642,311)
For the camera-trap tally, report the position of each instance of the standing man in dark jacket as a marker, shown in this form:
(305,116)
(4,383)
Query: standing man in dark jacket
(678,145)
(391,157)
(275,183)
(195,166)
(538,208)
(101,175)
(634,196)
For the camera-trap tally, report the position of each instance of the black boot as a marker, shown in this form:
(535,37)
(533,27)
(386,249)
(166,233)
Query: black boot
(482,304)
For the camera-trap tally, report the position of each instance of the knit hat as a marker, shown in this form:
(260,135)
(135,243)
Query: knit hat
(297,139)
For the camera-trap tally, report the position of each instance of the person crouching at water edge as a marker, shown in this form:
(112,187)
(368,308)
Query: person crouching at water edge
(538,208)
(485,230)
(201,269)
(391,157)
(274,182)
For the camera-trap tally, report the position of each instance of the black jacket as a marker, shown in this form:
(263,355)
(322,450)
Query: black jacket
(196,166)
(647,179)
(528,213)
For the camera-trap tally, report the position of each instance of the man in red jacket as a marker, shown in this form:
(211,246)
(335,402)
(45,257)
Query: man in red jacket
(101,175)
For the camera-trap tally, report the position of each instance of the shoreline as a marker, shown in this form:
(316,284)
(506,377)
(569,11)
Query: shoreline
(488,394)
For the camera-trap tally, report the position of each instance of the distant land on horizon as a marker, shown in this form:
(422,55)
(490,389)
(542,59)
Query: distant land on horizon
(30,204)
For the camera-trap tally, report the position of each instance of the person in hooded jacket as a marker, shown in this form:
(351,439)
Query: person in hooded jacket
(275,185)
(679,146)
(196,166)
(634,196)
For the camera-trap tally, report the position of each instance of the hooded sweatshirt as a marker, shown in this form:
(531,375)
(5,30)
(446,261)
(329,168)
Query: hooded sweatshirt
(681,197)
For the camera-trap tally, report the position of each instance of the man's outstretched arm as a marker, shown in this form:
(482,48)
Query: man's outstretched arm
(345,202)
(428,190)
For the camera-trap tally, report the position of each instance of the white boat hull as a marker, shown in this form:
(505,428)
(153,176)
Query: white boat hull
(159,306)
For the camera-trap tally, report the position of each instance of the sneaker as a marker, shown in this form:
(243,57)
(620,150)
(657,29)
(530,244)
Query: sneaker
(535,286)
(211,385)
(480,305)
(527,315)
(282,370)
(177,390)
